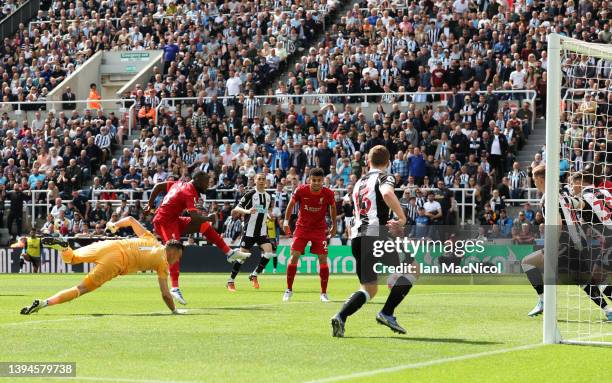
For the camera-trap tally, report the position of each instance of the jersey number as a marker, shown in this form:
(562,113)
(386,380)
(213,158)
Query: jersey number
(363,202)
(604,208)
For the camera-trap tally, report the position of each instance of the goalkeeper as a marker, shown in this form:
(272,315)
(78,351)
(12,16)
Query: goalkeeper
(114,258)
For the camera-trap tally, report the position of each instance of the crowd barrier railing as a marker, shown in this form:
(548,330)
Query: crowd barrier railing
(464,204)
(404,99)
(124,108)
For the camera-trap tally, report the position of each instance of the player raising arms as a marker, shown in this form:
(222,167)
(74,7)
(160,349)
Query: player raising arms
(169,224)
(113,258)
(254,206)
(314,201)
(373,197)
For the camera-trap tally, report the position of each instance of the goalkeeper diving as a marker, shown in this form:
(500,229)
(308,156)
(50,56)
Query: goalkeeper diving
(114,258)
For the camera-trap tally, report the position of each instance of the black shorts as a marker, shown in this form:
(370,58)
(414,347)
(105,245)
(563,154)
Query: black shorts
(365,261)
(575,265)
(249,242)
(35,261)
(604,259)
(600,257)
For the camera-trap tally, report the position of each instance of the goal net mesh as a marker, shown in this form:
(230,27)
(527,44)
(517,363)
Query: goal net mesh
(586,176)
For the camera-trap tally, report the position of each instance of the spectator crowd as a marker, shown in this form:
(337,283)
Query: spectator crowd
(481,57)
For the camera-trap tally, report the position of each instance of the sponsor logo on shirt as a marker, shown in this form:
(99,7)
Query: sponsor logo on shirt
(312,209)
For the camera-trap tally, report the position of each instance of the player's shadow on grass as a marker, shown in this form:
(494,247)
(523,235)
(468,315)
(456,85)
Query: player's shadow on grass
(584,321)
(237,308)
(273,292)
(429,340)
(101,315)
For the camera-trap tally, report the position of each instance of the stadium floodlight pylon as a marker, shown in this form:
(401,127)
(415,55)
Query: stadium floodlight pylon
(575,69)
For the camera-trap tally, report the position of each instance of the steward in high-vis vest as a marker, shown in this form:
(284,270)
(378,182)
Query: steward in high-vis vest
(32,250)
(93,100)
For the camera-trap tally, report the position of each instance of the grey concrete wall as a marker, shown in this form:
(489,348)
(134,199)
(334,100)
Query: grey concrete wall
(144,74)
(128,62)
(79,82)
(23,14)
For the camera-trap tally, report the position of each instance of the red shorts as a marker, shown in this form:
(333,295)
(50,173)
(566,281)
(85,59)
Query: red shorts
(318,242)
(171,229)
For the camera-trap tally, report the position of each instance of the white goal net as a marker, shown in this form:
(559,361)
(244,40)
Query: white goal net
(578,301)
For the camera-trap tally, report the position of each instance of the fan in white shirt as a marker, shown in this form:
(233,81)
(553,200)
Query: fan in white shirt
(371,70)
(517,77)
(460,6)
(233,84)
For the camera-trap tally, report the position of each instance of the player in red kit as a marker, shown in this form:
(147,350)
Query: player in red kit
(169,223)
(314,201)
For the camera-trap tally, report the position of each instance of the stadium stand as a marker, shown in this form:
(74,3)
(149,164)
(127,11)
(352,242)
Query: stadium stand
(278,87)
(8,7)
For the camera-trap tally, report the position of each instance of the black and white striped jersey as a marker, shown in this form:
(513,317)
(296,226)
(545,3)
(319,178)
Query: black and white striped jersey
(255,224)
(570,222)
(517,179)
(103,141)
(281,199)
(371,211)
(597,211)
(233,228)
(412,212)
(251,106)
(311,154)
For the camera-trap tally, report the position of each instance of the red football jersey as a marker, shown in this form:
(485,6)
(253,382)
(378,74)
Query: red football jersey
(313,208)
(181,196)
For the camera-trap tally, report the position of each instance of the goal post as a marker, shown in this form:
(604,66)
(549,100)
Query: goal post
(553,132)
(576,70)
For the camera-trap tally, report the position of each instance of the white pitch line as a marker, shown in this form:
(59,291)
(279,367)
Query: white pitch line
(423,364)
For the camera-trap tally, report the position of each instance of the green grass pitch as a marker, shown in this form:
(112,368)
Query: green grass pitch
(124,333)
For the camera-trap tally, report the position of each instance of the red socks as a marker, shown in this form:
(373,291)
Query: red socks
(324,276)
(291,270)
(213,237)
(174,274)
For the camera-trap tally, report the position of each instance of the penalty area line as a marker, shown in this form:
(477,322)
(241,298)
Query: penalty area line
(434,362)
